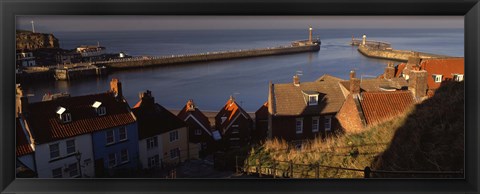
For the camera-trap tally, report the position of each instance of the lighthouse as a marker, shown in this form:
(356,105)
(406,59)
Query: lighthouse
(310,34)
(364,39)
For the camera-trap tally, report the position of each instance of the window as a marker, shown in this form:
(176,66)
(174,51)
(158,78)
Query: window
(152,142)
(458,77)
(174,153)
(153,161)
(198,131)
(235,130)
(437,78)
(73,169)
(66,117)
(101,111)
(328,123)
(315,124)
(112,160)
(173,136)
(299,125)
(54,151)
(122,133)
(124,156)
(110,137)
(312,99)
(70,146)
(57,173)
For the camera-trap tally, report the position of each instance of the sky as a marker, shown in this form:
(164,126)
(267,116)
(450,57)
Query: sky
(51,24)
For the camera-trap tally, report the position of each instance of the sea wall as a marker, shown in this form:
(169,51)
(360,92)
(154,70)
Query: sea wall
(397,55)
(202,57)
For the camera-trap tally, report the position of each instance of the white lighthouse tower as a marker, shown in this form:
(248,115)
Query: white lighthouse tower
(364,40)
(310,34)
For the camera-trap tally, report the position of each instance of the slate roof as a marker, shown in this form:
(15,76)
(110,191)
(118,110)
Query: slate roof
(368,85)
(230,110)
(184,113)
(289,100)
(380,106)
(46,126)
(23,147)
(154,120)
(444,66)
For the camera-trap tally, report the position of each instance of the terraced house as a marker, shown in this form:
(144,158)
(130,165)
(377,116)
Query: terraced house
(82,136)
(234,124)
(304,110)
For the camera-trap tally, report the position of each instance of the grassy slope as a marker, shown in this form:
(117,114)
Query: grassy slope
(360,150)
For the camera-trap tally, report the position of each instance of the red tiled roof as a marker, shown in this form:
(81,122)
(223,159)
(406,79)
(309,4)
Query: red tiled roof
(230,110)
(47,127)
(183,114)
(23,147)
(154,119)
(380,106)
(445,67)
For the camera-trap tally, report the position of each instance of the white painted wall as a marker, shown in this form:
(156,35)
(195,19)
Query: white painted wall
(83,144)
(144,154)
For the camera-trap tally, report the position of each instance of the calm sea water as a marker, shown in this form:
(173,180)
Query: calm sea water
(211,83)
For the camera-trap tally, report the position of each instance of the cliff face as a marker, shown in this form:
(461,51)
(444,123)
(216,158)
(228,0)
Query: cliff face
(32,41)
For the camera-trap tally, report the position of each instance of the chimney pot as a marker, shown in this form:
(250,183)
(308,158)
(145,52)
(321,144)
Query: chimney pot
(116,87)
(352,74)
(296,80)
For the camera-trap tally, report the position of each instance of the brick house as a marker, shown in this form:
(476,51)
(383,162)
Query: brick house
(162,136)
(438,70)
(199,128)
(300,111)
(372,101)
(234,125)
(261,123)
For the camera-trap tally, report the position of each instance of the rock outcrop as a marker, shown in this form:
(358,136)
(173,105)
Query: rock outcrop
(32,41)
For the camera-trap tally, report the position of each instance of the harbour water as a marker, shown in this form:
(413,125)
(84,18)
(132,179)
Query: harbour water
(210,84)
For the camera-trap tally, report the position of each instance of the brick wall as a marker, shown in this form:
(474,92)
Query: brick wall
(348,116)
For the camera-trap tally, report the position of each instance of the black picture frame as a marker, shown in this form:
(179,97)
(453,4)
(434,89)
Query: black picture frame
(9,9)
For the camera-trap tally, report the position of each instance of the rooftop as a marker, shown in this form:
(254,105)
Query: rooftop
(380,106)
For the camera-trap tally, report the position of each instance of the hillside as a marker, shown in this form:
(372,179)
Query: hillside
(432,138)
(417,140)
(32,41)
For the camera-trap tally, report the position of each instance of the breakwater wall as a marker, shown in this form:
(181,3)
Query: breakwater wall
(203,57)
(397,55)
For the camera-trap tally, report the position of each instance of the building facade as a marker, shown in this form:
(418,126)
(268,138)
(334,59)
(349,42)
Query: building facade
(234,124)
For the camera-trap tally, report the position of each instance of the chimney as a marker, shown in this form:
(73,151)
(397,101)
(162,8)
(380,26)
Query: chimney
(354,83)
(418,83)
(116,87)
(21,103)
(389,71)
(231,99)
(296,80)
(412,64)
(190,105)
(147,98)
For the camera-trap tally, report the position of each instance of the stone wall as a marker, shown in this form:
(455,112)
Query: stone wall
(397,55)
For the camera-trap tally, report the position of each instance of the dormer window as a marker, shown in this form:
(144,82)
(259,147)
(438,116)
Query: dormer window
(64,116)
(437,78)
(458,77)
(101,110)
(312,99)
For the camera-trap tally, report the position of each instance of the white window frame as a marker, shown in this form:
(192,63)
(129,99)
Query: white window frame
(153,161)
(73,168)
(60,175)
(101,111)
(66,117)
(120,134)
(458,77)
(297,129)
(110,165)
(67,147)
(113,137)
(176,151)
(174,137)
(328,123)
(437,78)
(122,156)
(152,142)
(315,121)
(58,150)
(310,103)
